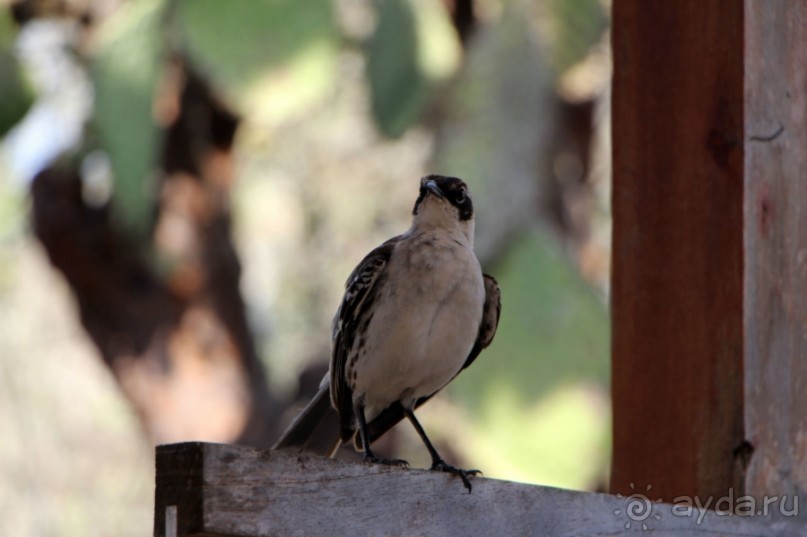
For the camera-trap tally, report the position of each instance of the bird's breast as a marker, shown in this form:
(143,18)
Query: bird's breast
(425,322)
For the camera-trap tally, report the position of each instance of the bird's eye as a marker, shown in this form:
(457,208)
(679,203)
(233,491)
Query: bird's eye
(461,195)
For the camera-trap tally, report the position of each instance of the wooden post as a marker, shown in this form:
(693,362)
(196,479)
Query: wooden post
(677,245)
(775,235)
(710,247)
(227,490)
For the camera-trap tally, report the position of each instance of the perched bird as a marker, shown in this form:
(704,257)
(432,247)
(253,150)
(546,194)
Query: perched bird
(416,311)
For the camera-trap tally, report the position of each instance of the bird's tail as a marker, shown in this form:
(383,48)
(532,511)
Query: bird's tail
(315,430)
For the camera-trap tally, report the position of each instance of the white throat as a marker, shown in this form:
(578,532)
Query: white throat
(437,215)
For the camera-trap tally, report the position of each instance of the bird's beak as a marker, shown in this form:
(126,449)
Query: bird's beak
(432,185)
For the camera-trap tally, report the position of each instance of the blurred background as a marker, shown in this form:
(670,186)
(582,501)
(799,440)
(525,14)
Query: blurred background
(185,186)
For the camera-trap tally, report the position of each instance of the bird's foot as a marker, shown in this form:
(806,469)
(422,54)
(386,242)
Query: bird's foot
(388,462)
(441,466)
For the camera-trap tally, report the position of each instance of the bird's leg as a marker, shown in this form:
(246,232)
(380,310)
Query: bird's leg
(437,461)
(369,456)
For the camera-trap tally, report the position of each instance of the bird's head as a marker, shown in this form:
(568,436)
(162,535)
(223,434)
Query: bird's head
(444,202)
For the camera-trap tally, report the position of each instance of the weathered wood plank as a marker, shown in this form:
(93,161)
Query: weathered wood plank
(677,280)
(238,491)
(178,495)
(776,246)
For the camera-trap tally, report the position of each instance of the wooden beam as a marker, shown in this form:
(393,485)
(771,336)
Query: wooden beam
(677,283)
(775,237)
(710,247)
(227,490)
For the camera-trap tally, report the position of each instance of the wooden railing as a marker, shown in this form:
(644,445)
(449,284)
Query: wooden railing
(227,490)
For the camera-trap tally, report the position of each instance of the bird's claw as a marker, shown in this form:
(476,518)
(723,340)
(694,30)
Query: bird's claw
(441,466)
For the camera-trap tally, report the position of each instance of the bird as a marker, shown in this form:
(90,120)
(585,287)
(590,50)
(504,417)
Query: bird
(416,311)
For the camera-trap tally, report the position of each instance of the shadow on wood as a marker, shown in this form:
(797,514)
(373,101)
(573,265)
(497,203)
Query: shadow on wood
(228,490)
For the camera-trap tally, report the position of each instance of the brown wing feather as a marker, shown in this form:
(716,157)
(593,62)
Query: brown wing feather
(491,312)
(360,291)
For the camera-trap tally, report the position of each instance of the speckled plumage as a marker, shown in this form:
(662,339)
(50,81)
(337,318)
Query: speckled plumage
(411,341)
(416,311)
(413,312)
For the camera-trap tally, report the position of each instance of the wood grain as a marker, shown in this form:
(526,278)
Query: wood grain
(710,247)
(228,490)
(776,247)
(677,280)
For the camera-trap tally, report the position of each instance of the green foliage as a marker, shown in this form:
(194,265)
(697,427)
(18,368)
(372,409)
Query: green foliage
(554,329)
(16,94)
(561,440)
(575,26)
(125,76)
(412,48)
(270,58)
(494,131)
(538,393)
(397,85)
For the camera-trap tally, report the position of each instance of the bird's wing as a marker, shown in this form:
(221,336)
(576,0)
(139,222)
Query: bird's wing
(361,289)
(491,312)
